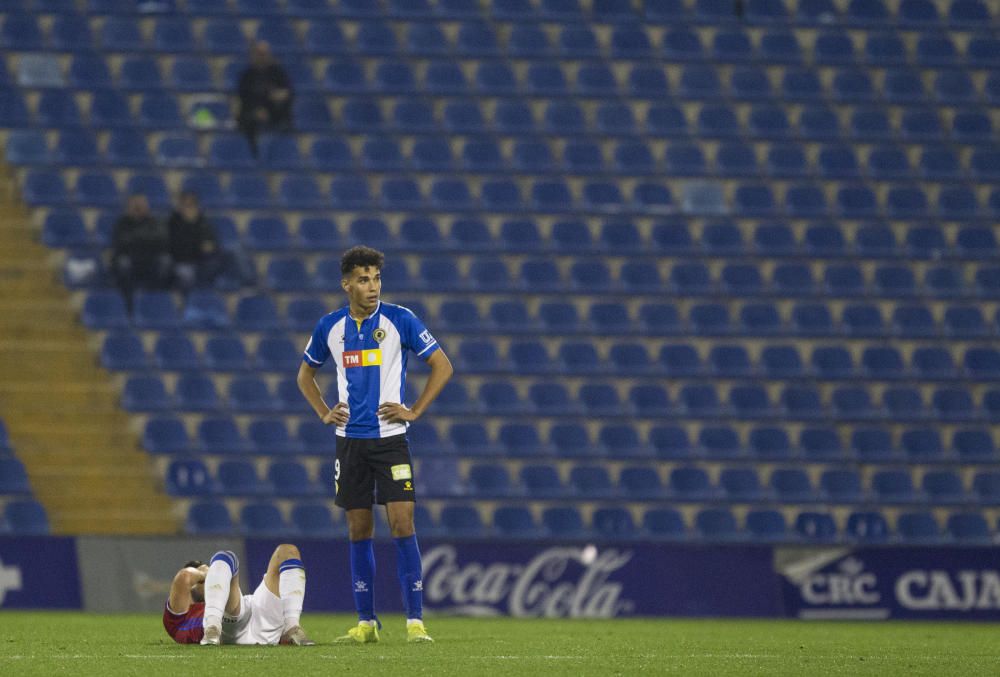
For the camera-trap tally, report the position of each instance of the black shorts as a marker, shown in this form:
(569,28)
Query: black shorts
(369,471)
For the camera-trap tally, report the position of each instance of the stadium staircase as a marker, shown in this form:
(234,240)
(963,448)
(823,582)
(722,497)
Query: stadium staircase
(60,407)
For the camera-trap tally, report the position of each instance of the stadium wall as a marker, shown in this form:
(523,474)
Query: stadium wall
(538,579)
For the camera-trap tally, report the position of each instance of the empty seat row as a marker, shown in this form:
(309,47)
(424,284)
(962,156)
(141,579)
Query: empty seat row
(472,38)
(158,110)
(907,13)
(674,237)
(208,310)
(726,361)
(708,401)
(606,523)
(221,435)
(694,400)
(440,477)
(400,193)
(177,352)
(530,157)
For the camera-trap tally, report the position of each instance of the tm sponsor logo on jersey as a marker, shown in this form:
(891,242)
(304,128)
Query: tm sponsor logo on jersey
(362,358)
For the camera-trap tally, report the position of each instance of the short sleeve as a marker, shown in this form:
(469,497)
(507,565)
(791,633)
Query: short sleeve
(416,336)
(317,351)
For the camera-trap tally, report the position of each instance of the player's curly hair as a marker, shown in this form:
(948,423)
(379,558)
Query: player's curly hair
(194,564)
(361,257)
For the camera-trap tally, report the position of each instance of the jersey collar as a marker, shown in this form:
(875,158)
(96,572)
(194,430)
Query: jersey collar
(373,313)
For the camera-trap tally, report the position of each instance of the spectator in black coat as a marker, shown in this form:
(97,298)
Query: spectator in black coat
(265,95)
(140,249)
(194,247)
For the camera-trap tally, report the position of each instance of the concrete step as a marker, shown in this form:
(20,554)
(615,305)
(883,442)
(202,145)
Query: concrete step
(71,503)
(99,523)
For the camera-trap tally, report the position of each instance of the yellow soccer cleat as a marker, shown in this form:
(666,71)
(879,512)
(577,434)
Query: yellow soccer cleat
(416,632)
(362,633)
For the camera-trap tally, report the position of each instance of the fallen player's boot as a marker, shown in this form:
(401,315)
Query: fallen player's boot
(362,633)
(212,636)
(297,636)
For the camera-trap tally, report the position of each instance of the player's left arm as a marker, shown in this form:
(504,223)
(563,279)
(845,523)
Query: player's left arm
(441,371)
(180,588)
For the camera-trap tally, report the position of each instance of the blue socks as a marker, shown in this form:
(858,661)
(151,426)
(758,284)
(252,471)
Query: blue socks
(410,581)
(363,578)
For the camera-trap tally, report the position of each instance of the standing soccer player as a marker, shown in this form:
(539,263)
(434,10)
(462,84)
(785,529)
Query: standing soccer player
(368,340)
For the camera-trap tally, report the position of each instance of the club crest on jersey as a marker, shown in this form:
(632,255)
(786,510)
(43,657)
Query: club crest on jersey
(379,335)
(362,358)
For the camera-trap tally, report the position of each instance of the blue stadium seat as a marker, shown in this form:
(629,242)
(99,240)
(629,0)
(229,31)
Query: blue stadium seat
(816,526)
(123,352)
(842,486)
(462,521)
(189,478)
(26,518)
(239,478)
(315,520)
(145,394)
(250,394)
(968,528)
(664,524)
(572,440)
(973,444)
(271,436)
(781,361)
(767,526)
(166,435)
(716,524)
(220,435)
(290,479)
(13,478)
(263,519)
(140,73)
(613,524)
(918,527)
(515,522)
(943,487)
(867,527)
(176,352)
(690,483)
(564,522)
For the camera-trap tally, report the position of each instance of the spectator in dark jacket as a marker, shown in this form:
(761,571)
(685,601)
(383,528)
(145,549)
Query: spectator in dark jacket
(265,95)
(194,247)
(140,254)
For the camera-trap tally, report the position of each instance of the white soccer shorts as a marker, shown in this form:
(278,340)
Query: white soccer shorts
(261,619)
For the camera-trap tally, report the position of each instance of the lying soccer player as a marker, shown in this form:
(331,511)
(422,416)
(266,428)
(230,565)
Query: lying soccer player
(206,604)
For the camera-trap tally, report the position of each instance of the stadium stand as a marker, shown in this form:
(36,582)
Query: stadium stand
(532,176)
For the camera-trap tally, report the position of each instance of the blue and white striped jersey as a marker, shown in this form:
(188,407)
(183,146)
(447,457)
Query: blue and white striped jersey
(371,362)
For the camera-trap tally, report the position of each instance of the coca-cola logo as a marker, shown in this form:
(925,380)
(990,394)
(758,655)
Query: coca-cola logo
(557,582)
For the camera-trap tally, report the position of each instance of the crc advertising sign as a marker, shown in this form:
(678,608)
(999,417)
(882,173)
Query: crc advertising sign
(568,581)
(942,583)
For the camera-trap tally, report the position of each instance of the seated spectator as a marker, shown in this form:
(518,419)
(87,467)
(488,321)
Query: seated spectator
(265,92)
(140,249)
(194,247)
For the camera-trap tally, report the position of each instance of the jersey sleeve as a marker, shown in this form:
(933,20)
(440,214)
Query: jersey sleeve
(317,351)
(416,336)
(185,628)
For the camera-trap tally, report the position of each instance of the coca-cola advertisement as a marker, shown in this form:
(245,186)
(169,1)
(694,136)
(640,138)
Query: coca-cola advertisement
(557,580)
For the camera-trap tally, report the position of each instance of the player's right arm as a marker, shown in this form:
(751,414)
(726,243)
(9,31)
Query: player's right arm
(306,380)
(180,588)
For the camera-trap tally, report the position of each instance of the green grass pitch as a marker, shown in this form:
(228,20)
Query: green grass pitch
(49,643)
